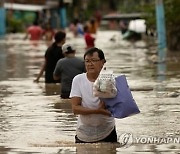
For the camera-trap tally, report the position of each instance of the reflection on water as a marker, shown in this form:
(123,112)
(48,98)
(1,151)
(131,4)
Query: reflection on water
(161,77)
(50,88)
(161,67)
(34,119)
(97,148)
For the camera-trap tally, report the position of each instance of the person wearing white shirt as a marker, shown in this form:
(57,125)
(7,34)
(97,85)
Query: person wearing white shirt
(95,123)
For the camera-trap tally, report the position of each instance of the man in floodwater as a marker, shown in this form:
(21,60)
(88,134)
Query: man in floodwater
(95,123)
(52,55)
(67,68)
(89,38)
(34,33)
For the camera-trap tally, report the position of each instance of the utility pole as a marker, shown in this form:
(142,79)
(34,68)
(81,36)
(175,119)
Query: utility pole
(2,18)
(161,31)
(62,13)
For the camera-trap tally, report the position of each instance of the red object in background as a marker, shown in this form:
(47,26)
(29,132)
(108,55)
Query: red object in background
(35,32)
(89,40)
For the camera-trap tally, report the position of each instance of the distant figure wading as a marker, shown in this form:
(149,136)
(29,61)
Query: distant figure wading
(67,68)
(52,55)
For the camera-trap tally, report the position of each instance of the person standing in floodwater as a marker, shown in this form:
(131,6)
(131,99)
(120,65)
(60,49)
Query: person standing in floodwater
(95,123)
(67,68)
(48,34)
(52,55)
(76,28)
(34,33)
(92,26)
(88,37)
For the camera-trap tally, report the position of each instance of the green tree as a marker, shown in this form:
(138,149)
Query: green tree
(172,17)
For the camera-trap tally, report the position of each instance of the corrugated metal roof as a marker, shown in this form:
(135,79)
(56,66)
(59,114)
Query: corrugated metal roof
(118,16)
(26,7)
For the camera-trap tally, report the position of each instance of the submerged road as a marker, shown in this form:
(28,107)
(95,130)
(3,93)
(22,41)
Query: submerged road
(35,120)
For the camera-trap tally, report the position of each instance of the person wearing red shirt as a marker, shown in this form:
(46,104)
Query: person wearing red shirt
(89,39)
(35,32)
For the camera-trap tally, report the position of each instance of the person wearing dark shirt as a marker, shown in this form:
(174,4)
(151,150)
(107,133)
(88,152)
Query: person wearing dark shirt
(52,55)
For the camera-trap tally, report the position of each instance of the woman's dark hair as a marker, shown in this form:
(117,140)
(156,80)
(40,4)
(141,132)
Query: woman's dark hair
(93,50)
(59,36)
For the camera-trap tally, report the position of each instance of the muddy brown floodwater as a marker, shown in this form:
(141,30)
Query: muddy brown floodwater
(33,119)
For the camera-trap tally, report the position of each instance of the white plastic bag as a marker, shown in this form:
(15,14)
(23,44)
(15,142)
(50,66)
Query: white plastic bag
(105,85)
